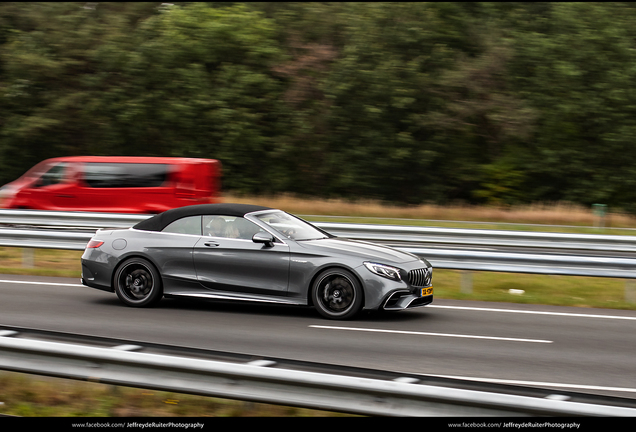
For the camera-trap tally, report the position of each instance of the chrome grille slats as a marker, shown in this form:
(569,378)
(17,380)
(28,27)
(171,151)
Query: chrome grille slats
(420,277)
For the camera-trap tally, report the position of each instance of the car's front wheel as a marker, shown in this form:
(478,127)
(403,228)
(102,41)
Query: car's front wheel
(337,294)
(137,283)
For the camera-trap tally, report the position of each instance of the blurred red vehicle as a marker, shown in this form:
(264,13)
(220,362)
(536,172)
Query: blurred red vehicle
(114,184)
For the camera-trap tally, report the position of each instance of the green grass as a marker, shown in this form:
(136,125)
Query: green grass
(552,290)
(38,396)
(47,262)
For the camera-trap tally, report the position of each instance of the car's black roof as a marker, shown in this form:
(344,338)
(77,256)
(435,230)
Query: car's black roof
(160,221)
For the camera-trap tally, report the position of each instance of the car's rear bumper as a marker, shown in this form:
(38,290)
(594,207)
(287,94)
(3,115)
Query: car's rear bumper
(88,279)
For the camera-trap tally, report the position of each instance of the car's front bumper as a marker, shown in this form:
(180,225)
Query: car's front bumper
(401,300)
(414,289)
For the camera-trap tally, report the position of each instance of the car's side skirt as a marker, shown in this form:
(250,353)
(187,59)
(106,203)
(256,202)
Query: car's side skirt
(224,296)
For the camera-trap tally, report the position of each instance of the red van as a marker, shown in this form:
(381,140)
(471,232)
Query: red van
(114,184)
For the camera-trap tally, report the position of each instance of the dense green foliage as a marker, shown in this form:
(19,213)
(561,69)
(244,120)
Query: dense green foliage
(498,103)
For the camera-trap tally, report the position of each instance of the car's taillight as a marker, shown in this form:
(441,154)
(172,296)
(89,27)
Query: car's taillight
(94,244)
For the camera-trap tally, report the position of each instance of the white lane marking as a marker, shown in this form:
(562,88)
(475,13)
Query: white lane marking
(534,312)
(40,283)
(430,334)
(539,383)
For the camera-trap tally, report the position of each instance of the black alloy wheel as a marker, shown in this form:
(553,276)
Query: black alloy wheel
(137,283)
(337,294)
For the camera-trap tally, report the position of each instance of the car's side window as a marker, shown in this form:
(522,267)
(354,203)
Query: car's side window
(187,225)
(229,227)
(53,176)
(125,175)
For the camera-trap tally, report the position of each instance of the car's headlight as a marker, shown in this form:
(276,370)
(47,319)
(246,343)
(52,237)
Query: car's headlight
(384,270)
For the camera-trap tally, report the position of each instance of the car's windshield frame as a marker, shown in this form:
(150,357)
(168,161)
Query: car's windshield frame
(313,232)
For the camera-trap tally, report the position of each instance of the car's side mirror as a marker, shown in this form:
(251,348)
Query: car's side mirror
(263,237)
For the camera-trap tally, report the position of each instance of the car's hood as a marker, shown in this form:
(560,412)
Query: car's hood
(365,250)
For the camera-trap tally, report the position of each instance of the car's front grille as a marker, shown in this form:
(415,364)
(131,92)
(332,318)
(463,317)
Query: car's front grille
(420,277)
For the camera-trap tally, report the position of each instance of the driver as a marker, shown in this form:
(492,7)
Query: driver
(216,227)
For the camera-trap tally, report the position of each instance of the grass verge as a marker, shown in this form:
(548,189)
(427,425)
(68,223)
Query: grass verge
(39,396)
(588,292)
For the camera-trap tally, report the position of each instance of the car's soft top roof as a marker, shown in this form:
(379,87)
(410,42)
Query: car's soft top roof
(160,221)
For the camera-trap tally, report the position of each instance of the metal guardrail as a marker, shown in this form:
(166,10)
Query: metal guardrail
(30,238)
(372,232)
(482,237)
(80,226)
(439,258)
(258,382)
(58,219)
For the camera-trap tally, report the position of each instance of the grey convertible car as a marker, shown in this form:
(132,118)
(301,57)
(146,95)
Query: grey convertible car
(252,253)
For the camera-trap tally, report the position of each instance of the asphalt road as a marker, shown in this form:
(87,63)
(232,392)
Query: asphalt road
(575,349)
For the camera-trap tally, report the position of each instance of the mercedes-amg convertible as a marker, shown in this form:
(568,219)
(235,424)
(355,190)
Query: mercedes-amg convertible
(252,253)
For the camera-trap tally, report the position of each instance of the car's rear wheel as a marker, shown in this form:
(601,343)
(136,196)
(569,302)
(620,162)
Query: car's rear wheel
(137,283)
(337,294)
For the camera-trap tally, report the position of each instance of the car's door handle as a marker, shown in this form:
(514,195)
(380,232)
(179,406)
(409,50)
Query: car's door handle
(65,196)
(211,244)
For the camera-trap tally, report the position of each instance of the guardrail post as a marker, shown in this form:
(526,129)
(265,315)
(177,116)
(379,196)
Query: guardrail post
(28,258)
(630,291)
(467,282)
(599,210)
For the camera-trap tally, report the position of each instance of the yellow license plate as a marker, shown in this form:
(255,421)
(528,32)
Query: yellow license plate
(427,291)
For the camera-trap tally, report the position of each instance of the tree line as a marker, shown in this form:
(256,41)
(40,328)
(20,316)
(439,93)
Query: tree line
(478,102)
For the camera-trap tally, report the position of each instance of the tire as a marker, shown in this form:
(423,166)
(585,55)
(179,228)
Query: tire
(337,294)
(137,283)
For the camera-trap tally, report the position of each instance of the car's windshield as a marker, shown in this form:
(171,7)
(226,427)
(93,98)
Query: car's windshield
(290,226)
